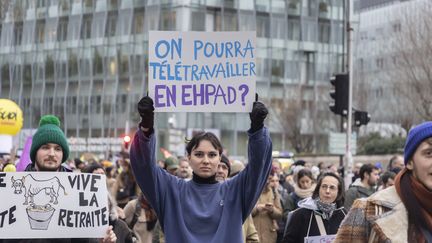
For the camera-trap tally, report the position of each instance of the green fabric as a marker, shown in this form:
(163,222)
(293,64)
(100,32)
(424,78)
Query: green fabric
(171,163)
(49,132)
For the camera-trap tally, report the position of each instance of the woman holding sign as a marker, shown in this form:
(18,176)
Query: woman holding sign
(319,215)
(202,209)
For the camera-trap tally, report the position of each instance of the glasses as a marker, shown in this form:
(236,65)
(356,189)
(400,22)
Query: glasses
(327,187)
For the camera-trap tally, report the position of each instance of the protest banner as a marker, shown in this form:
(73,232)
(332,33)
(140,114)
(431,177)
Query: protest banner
(53,205)
(202,71)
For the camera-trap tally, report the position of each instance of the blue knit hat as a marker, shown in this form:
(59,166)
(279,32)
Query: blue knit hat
(415,136)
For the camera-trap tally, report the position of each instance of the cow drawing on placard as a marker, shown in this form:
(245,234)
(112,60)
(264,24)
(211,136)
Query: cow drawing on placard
(31,187)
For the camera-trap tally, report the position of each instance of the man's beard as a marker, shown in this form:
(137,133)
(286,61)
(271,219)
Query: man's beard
(184,174)
(42,167)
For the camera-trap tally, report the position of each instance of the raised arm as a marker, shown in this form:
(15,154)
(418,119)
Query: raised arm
(251,181)
(152,180)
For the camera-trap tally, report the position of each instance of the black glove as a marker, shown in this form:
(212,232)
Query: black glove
(146,111)
(257,116)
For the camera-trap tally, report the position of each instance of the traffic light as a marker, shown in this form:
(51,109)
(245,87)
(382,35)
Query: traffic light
(339,94)
(126,141)
(361,118)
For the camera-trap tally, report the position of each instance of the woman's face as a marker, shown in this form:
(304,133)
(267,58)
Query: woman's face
(204,159)
(328,191)
(305,182)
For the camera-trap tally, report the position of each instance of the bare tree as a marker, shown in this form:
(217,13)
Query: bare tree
(411,66)
(288,114)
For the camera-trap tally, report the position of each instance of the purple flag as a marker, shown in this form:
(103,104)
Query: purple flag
(25,156)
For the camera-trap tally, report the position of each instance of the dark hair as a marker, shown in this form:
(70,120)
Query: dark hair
(340,199)
(367,168)
(304,172)
(392,160)
(197,138)
(386,176)
(92,167)
(300,162)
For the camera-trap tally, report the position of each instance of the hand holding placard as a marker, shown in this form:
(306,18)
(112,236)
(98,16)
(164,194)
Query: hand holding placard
(258,115)
(146,111)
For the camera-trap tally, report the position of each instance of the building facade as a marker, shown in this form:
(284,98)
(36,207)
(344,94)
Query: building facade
(86,61)
(391,60)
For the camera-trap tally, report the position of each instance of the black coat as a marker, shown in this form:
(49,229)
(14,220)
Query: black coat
(298,223)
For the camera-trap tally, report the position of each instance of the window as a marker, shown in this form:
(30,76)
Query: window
(278,27)
(74,27)
(380,63)
(72,65)
(230,21)
(40,31)
(86,27)
(18,33)
(324,32)
(397,27)
(111,24)
(293,29)
(198,21)
(263,26)
(62,29)
(124,22)
(51,30)
(138,22)
(168,20)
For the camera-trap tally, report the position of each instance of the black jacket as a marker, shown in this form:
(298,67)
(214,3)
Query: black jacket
(32,167)
(298,224)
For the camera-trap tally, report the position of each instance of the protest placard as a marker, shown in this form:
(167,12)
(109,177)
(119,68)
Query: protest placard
(53,205)
(320,239)
(202,71)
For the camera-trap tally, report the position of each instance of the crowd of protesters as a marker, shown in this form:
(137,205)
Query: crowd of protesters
(208,197)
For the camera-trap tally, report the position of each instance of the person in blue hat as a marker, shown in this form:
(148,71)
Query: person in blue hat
(403,212)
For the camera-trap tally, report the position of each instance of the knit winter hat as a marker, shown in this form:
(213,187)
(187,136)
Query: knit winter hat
(415,137)
(49,132)
(225,160)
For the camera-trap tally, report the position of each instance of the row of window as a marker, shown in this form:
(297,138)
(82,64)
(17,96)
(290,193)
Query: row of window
(138,21)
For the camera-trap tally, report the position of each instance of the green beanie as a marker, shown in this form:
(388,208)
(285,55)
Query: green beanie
(49,132)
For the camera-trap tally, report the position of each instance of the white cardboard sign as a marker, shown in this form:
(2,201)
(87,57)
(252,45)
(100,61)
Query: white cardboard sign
(53,205)
(202,71)
(320,239)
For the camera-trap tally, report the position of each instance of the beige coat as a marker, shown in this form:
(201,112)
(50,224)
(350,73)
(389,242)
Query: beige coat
(265,221)
(140,227)
(250,234)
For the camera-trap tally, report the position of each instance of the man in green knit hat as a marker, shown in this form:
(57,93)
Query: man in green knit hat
(49,146)
(48,151)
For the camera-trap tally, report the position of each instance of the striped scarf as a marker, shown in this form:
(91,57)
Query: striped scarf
(417,200)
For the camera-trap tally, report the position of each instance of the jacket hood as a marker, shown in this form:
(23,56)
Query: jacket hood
(361,188)
(357,182)
(308,203)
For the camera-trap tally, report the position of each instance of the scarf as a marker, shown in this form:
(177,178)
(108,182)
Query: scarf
(417,200)
(304,193)
(327,209)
